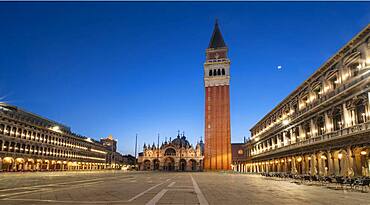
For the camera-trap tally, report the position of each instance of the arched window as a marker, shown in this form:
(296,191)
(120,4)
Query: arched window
(214,72)
(360,111)
(170,152)
(307,130)
(354,68)
(296,133)
(223,71)
(210,73)
(219,72)
(337,119)
(320,125)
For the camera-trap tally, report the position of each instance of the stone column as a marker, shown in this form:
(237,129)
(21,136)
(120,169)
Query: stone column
(346,116)
(25,166)
(294,168)
(313,128)
(285,142)
(292,136)
(328,123)
(351,164)
(301,133)
(330,163)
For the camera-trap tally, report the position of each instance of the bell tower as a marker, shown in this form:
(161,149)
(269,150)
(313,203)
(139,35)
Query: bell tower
(217,150)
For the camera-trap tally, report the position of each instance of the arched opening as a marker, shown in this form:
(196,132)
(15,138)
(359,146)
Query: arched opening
(324,164)
(354,69)
(341,162)
(320,125)
(309,165)
(156,164)
(299,165)
(169,164)
(146,165)
(201,165)
(364,162)
(19,164)
(287,137)
(170,152)
(289,165)
(307,130)
(296,133)
(360,111)
(214,72)
(219,72)
(182,165)
(210,73)
(337,119)
(223,71)
(193,165)
(8,163)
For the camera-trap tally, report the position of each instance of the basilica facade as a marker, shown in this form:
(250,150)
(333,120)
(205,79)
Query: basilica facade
(172,155)
(323,126)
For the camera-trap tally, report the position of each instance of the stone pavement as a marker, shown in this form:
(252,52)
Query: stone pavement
(118,187)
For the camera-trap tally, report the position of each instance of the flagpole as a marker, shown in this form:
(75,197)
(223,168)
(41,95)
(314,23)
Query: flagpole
(136,150)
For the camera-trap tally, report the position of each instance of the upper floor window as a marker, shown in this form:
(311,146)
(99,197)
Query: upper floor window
(304,101)
(320,125)
(307,130)
(210,73)
(333,82)
(354,69)
(223,71)
(361,111)
(337,119)
(317,92)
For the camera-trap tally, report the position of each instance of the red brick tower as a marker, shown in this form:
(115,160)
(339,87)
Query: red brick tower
(217,149)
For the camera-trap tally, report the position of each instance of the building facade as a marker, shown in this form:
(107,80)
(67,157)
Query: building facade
(322,127)
(29,142)
(217,154)
(114,159)
(175,155)
(240,155)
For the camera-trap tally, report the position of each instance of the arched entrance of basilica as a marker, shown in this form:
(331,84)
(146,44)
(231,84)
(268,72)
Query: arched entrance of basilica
(193,164)
(146,165)
(182,165)
(169,164)
(156,164)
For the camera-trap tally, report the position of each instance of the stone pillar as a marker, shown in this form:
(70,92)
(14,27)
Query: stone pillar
(285,141)
(286,165)
(301,133)
(294,168)
(25,166)
(346,116)
(328,123)
(292,137)
(313,128)
(330,163)
(351,164)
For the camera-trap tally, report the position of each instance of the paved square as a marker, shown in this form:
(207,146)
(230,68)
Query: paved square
(118,187)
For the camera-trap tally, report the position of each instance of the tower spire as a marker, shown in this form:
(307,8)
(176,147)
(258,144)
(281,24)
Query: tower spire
(217,41)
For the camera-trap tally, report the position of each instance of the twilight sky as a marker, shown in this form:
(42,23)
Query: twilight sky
(126,68)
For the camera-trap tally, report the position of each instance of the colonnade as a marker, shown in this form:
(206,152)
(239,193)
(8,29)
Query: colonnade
(11,164)
(343,162)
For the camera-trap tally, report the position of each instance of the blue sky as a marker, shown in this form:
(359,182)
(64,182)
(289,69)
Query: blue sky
(127,68)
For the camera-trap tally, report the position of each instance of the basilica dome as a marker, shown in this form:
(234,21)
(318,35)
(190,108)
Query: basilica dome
(181,141)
